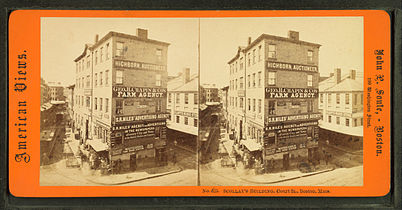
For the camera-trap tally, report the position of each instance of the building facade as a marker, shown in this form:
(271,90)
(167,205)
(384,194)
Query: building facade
(56,91)
(182,104)
(44,92)
(120,98)
(341,105)
(273,99)
(211,93)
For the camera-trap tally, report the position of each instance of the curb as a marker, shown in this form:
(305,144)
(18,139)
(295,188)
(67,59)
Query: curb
(137,180)
(288,179)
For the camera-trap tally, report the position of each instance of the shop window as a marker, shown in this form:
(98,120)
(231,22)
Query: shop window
(119,77)
(271,108)
(310,56)
(271,51)
(309,80)
(271,78)
(119,48)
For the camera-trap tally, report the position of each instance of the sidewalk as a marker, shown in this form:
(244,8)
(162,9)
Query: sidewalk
(119,179)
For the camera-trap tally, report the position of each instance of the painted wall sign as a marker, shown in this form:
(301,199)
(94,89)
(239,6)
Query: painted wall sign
(138,65)
(341,114)
(138,125)
(285,118)
(145,117)
(290,125)
(186,114)
(138,92)
(285,148)
(290,93)
(291,67)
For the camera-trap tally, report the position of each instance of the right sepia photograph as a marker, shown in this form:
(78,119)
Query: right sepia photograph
(281,101)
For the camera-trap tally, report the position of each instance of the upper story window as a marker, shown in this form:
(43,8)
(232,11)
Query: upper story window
(158,81)
(96,103)
(107,51)
(101,55)
(310,56)
(321,98)
(329,98)
(259,53)
(271,108)
(241,63)
(355,96)
(361,98)
(88,81)
(186,98)
(159,54)
(241,82)
(254,56)
(106,77)
(236,84)
(101,78)
(236,67)
(271,51)
(253,79)
(195,98)
(338,98)
(119,77)
(177,98)
(271,78)
(248,59)
(119,48)
(347,98)
(76,67)
(259,79)
(88,62)
(96,79)
(248,81)
(96,57)
(259,106)
(106,104)
(170,98)
(309,80)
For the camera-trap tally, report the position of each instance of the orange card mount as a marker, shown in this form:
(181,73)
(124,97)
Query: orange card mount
(72,152)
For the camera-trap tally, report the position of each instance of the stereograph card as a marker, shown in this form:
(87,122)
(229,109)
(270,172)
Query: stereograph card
(199,103)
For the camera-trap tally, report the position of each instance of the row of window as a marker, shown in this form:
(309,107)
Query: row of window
(100,55)
(347,121)
(99,80)
(121,49)
(251,80)
(99,103)
(238,102)
(346,97)
(255,56)
(186,98)
(185,120)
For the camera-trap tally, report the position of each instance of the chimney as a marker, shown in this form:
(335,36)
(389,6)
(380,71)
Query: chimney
(249,41)
(294,35)
(96,38)
(142,33)
(352,74)
(186,75)
(337,73)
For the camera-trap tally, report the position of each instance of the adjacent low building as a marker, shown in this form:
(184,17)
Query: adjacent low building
(341,104)
(182,104)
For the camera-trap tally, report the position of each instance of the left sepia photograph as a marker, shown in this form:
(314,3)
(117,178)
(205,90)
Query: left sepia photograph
(119,101)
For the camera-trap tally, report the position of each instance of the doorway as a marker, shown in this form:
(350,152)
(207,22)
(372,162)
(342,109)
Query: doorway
(285,161)
(133,162)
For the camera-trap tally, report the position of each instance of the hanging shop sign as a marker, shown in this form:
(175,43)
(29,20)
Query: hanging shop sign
(144,117)
(285,118)
(291,67)
(138,65)
(138,92)
(290,93)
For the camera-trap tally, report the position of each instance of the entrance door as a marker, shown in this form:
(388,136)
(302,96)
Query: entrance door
(285,161)
(133,162)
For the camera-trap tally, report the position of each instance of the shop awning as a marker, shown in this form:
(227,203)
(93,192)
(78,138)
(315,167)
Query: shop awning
(251,145)
(97,145)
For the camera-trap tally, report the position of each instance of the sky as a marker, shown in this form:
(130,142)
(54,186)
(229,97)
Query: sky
(63,39)
(341,39)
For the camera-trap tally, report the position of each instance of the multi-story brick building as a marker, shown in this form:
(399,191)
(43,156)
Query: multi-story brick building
(273,99)
(56,91)
(182,104)
(210,93)
(120,98)
(341,106)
